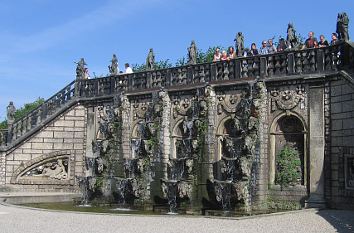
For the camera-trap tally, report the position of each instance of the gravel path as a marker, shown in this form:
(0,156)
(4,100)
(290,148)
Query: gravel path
(15,220)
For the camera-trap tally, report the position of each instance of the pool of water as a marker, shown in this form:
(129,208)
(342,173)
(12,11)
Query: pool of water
(111,209)
(115,209)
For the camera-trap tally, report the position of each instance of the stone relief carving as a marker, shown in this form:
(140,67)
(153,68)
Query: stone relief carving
(56,169)
(288,99)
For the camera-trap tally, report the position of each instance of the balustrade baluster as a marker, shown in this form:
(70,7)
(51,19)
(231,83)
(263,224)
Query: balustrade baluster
(312,61)
(255,66)
(244,69)
(270,64)
(306,62)
(29,122)
(299,63)
(250,68)
(277,67)
(24,126)
(225,75)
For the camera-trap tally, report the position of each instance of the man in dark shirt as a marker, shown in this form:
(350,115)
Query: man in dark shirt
(311,41)
(323,42)
(334,38)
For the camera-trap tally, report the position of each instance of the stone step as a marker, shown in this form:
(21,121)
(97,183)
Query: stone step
(36,197)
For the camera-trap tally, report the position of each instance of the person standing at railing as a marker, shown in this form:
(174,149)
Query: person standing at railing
(224,56)
(271,47)
(323,42)
(254,50)
(128,70)
(217,55)
(282,45)
(264,49)
(231,53)
(334,40)
(87,75)
(311,41)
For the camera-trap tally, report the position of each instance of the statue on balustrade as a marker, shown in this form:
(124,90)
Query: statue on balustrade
(11,113)
(113,68)
(80,69)
(150,60)
(342,26)
(240,44)
(291,36)
(192,54)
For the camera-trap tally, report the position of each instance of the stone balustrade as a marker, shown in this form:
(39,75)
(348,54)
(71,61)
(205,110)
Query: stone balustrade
(37,116)
(292,62)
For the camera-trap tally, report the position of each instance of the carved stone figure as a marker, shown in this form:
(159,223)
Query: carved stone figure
(342,26)
(80,69)
(57,169)
(150,60)
(192,54)
(239,45)
(11,113)
(291,36)
(113,68)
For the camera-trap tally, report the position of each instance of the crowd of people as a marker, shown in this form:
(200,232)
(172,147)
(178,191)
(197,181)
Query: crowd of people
(268,47)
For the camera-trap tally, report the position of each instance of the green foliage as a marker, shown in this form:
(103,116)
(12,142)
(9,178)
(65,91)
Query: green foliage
(3,125)
(202,129)
(139,68)
(23,111)
(288,167)
(281,205)
(99,182)
(181,61)
(207,56)
(163,64)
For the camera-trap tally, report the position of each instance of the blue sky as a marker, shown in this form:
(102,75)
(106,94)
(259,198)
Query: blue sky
(41,39)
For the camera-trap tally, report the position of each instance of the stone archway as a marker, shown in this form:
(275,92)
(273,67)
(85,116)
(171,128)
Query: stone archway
(288,130)
(228,128)
(183,137)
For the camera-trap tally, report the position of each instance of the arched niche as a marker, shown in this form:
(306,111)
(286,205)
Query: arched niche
(136,137)
(182,134)
(228,127)
(288,130)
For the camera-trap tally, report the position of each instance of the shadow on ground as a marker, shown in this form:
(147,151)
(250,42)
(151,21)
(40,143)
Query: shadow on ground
(341,220)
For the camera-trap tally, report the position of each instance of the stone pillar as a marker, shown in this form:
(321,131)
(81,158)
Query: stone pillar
(90,136)
(210,140)
(2,168)
(165,131)
(126,130)
(316,147)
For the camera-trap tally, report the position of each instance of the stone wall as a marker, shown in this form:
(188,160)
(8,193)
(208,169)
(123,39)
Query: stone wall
(341,144)
(64,136)
(2,168)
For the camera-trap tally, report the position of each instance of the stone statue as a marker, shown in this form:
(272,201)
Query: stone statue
(192,54)
(11,113)
(342,26)
(150,60)
(80,69)
(239,45)
(113,68)
(291,36)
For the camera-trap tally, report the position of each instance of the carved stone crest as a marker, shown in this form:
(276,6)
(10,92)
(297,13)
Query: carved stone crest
(288,99)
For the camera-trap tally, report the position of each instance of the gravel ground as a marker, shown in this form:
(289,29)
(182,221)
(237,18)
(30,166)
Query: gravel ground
(16,219)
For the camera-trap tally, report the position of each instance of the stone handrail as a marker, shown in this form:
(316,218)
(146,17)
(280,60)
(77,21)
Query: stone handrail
(287,63)
(37,116)
(293,62)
